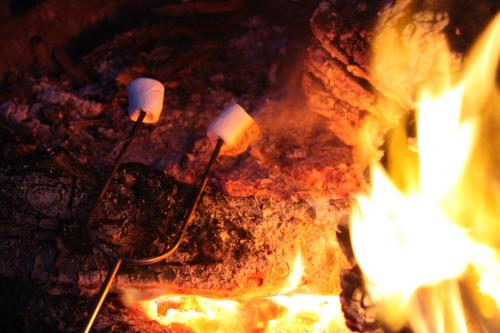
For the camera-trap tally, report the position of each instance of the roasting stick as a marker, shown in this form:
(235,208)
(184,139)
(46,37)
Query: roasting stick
(145,106)
(110,277)
(231,129)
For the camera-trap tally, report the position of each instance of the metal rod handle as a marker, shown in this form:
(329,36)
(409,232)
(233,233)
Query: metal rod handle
(106,286)
(196,201)
(118,261)
(119,158)
(108,180)
(145,261)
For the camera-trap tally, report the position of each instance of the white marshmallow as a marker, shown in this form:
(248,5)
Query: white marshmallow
(230,125)
(146,95)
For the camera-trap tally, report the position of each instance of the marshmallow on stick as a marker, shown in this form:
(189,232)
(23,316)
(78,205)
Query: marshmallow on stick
(146,95)
(235,127)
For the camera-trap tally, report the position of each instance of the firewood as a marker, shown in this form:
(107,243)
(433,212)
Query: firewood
(341,81)
(357,306)
(336,68)
(229,250)
(251,222)
(344,86)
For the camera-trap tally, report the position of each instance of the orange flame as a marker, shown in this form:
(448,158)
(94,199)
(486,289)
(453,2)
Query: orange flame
(289,311)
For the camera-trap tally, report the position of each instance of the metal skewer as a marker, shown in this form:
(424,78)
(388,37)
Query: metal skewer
(110,277)
(148,260)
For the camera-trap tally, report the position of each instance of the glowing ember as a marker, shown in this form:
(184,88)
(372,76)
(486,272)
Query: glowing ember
(286,312)
(429,225)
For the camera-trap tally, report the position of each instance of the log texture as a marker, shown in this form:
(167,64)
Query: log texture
(366,62)
(58,141)
(344,82)
(234,247)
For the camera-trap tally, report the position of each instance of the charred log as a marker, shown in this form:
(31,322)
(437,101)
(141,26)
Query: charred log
(358,309)
(336,79)
(341,82)
(235,246)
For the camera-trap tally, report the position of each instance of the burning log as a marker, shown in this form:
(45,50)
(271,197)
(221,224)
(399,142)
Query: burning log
(228,249)
(336,79)
(359,310)
(357,307)
(341,82)
(244,239)
(288,192)
(338,60)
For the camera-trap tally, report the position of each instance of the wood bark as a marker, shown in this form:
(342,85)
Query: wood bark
(240,243)
(336,69)
(341,81)
(234,247)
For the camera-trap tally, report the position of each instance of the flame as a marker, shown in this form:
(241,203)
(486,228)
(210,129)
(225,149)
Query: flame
(429,225)
(288,311)
(294,279)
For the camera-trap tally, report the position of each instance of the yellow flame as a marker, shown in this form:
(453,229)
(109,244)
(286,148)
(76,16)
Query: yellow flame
(294,279)
(196,312)
(434,215)
(288,311)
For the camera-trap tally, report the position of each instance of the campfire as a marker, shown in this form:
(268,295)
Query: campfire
(426,233)
(327,166)
(427,251)
(414,235)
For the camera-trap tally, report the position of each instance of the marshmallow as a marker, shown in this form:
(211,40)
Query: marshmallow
(146,95)
(235,127)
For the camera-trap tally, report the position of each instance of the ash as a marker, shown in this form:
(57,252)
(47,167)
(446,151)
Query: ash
(58,139)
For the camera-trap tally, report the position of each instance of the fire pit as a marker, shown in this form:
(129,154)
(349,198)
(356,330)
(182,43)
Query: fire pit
(292,234)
